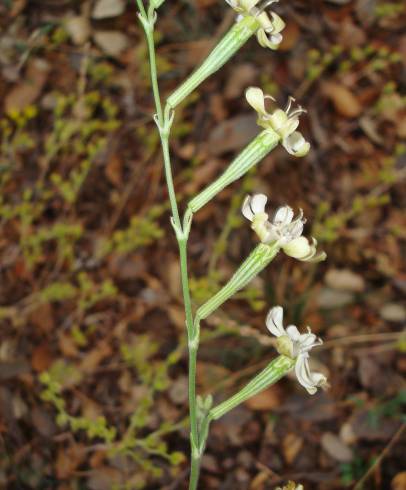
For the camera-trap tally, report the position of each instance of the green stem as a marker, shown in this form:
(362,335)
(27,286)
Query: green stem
(164,121)
(194,472)
(248,158)
(236,37)
(269,376)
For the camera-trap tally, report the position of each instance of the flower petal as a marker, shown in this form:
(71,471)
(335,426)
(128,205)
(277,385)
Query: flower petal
(277,23)
(271,41)
(274,321)
(309,340)
(283,215)
(258,203)
(295,229)
(255,98)
(296,145)
(298,248)
(293,333)
(313,256)
(310,381)
(246,208)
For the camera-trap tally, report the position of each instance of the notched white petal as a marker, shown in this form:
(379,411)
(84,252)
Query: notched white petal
(246,209)
(296,145)
(310,381)
(258,203)
(255,98)
(274,321)
(283,215)
(290,342)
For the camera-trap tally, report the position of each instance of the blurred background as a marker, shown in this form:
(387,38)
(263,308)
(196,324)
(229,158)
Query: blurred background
(93,370)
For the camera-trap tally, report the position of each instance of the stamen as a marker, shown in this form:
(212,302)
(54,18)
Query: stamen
(265,5)
(289,104)
(297,112)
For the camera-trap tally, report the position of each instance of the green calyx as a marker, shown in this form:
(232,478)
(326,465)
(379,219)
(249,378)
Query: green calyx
(252,154)
(275,370)
(236,37)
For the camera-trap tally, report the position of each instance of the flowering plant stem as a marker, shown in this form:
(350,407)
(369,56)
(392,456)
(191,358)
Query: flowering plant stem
(163,119)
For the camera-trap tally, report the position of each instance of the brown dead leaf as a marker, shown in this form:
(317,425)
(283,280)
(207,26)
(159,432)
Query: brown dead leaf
(17,6)
(291,446)
(344,280)
(173,278)
(218,109)
(210,374)
(291,35)
(177,317)
(93,358)
(42,317)
(68,459)
(90,409)
(104,478)
(203,175)
(67,345)
(43,421)
(27,91)
(79,29)
(232,134)
(112,43)
(104,9)
(344,101)
(97,458)
(41,357)
(114,170)
(399,481)
(241,77)
(336,448)
(266,400)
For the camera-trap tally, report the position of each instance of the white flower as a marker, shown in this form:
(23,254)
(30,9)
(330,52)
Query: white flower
(283,229)
(284,122)
(291,343)
(269,34)
(253,209)
(291,486)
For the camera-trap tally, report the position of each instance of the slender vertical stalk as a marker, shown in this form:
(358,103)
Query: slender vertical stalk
(164,121)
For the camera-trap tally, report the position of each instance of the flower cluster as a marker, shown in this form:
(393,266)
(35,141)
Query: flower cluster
(271,25)
(291,343)
(283,229)
(284,122)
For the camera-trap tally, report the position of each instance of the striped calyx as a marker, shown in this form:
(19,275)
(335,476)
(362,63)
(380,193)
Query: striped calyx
(236,37)
(259,258)
(275,370)
(252,154)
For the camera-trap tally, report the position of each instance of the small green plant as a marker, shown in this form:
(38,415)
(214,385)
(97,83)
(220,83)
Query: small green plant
(142,231)
(144,449)
(353,471)
(389,9)
(393,408)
